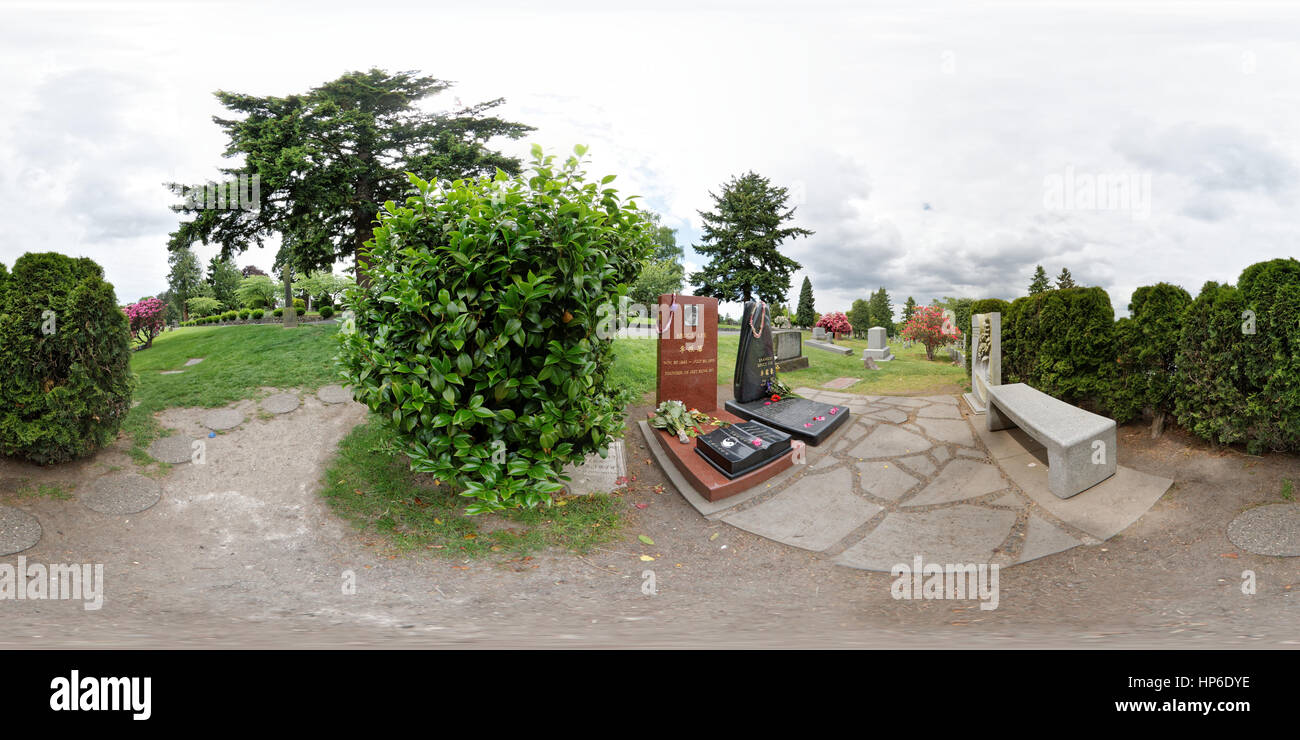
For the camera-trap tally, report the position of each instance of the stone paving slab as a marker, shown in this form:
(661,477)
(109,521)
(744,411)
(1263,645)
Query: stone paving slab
(884,479)
(840,383)
(222,419)
(1268,530)
(334,394)
(918,464)
(961,534)
(960,480)
(121,494)
(957,431)
(18,530)
(174,450)
(280,403)
(1043,538)
(889,441)
(1102,511)
(939,411)
(812,516)
(893,416)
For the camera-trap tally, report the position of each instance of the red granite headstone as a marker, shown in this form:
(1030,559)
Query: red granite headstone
(687,351)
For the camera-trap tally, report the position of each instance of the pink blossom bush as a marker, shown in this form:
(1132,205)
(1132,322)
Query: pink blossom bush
(146,319)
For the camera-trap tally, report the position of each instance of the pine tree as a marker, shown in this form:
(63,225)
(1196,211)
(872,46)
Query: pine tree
(742,236)
(184,278)
(909,308)
(860,316)
(1065,279)
(1040,282)
(806,315)
(882,312)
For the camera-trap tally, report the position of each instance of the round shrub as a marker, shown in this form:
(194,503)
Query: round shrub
(299,306)
(230,316)
(66,374)
(244,314)
(258,313)
(485,337)
(278,312)
(326,312)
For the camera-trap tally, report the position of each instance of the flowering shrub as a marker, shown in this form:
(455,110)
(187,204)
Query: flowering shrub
(835,321)
(146,320)
(929,327)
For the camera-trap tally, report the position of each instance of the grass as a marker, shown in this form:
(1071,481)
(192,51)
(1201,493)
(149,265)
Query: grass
(237,362)
(55,491)
(1288,490)
(371,485)
(908,373)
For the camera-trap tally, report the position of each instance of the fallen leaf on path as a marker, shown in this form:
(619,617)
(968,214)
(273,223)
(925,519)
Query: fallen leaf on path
(646,558)
(645,539)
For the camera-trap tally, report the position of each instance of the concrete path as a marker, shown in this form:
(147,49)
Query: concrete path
(912,477)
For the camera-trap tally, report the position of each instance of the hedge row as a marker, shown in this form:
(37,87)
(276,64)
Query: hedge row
(1226,364)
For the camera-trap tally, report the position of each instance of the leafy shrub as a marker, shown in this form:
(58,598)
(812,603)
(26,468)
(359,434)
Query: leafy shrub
(244,313)
(835,321)
(981,306)
(326,312)
(230,316)
(278,312)
(258,313)
(299,306)
(1146,343)
(1238,373)
(930,327)
(485,336)
(145,320)
(1061,342)
(67,383)
(202,306)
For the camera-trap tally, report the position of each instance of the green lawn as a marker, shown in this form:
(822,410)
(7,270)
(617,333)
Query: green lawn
(908,374)
(237,362)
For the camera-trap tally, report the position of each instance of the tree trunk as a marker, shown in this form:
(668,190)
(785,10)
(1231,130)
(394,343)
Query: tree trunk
(1157,423)
(929,352)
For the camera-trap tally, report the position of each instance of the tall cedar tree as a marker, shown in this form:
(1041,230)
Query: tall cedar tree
(909,308)
(882,311)
(328,159)
(741,239)
(1065,279)
(1040,282)
(806,314)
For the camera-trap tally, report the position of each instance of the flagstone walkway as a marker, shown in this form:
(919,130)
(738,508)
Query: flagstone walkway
(913,477)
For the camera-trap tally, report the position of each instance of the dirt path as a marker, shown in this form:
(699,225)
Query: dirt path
(242,552)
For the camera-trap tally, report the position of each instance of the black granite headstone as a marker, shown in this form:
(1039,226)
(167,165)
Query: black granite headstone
(739,448)
(811,421)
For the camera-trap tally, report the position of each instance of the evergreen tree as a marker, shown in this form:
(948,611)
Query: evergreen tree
(1065,279)
(326,159)
(1040,282)
(662,272)
(742,237)
(224,278)
(806,314)
(184,278)
(860,316)
(909,308)
(882,311)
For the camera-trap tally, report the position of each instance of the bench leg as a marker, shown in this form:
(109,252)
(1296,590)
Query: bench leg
(994,419)
(1073,470)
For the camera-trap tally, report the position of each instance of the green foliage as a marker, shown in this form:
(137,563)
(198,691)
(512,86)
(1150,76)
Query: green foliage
(742,237)
(908,309)
(1061,342)
(882,311)
(202,306)
(806,314)
(1065,279)
(244,313)
(224,278)
(67,384)
(257,291)
(859,316)
(229,315)
(1039,283)
(328,158)
(657,278)
(982,306)
(184,277)
(326,312)
(1238,373)
(300,306)
(1146,343)
(278,313)
(485,337)
(258,313)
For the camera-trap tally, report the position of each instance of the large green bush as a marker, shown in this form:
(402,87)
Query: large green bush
(983,305)
(1146,343)
(484,336)
(1061,342)
(1238,360)
(202,306)
(65,384)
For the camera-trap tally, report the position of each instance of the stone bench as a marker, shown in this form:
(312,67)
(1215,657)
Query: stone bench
(1080,444)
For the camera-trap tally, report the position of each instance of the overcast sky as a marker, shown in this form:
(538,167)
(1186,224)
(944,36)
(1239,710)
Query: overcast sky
(937,150)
